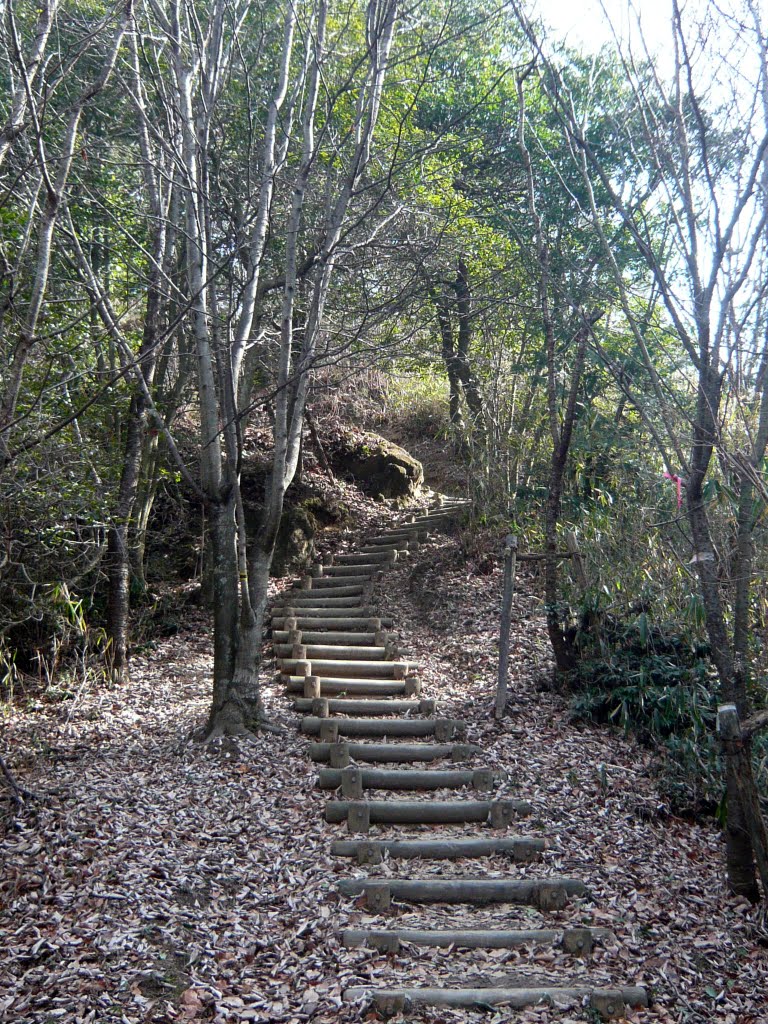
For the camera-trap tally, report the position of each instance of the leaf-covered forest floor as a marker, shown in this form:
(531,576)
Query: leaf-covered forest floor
(166,882)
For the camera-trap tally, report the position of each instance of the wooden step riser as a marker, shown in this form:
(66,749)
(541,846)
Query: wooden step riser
(610,1004)
(349,587)
(336,584)
(381,556)
(398,541)
(372,851)
(333,622)
(336,638)
(353,687)
(497,813)
(366,708)
(356,669)
(338,572)
(550,894)
(481,779)
(576,941)
(319,653)
(356,611)
(299,599)
(411,537)
(443,729)
(394,753)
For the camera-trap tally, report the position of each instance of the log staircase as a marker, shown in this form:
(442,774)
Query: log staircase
(364,711)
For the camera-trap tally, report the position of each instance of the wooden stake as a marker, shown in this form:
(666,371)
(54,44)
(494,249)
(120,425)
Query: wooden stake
(510,563)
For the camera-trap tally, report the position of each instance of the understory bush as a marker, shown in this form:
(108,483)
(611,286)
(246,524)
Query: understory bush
(660,684)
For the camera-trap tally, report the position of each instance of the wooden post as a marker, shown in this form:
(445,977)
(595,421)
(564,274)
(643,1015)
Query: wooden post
(510,564)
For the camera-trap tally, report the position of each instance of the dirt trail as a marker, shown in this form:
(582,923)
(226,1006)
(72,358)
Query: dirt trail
(167,882)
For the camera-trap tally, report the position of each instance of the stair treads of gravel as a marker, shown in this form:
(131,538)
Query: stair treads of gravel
(480,779)
(576,941)
(546,894)
(393,753)
(608,1003)
(372,851)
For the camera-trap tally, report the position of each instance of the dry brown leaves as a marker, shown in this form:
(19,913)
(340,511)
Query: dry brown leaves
(167,882)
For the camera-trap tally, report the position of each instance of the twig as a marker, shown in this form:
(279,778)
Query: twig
(18,793)
(755,723)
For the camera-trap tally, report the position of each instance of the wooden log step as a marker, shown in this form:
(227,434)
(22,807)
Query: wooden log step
(298,599)
(385,557)
(284,609)
(499,813)
(382,706)
(445,729)
(354,687)
(372,851)
(340,584)
(356,569)
(399,545)
(393,753)
(548,894)
(435,514)
(578,941)
(360,669)
(610,1004)
(410,534)
(481,779)
(318,653)
(334,637)
(334,620)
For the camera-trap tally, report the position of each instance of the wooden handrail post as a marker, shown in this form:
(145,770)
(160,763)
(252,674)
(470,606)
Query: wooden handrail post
(510,564)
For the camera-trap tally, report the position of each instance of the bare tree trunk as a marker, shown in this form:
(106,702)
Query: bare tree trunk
(54,194)
(27,71)
(448,351)
(464,370)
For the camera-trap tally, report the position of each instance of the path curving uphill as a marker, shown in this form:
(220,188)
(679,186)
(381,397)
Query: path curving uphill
(393,763)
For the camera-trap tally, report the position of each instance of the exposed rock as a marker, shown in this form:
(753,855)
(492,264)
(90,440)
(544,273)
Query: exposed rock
(379,467)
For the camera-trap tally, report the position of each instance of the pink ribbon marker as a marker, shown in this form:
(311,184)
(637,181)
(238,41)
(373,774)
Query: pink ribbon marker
(679,482)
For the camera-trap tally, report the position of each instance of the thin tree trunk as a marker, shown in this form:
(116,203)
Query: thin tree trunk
(55,188)
(468,380)
(448,352)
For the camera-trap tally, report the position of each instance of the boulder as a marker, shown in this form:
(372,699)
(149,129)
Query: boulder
(379,467)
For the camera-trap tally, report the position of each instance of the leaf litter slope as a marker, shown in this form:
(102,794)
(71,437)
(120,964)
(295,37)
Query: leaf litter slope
(170,882)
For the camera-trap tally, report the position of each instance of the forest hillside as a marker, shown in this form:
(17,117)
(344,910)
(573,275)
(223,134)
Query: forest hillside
(348,331)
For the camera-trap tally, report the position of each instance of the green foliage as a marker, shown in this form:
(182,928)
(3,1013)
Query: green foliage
(416,402)
(658,684)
